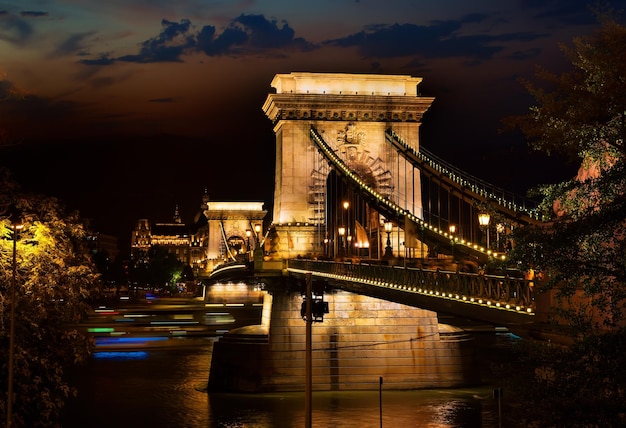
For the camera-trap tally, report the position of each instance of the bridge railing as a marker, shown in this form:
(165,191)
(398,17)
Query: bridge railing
(499,291)
(502,197)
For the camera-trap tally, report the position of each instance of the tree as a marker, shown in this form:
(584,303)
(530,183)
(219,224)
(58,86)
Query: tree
(164,269)
(582,114)
(581,248)
(55,277)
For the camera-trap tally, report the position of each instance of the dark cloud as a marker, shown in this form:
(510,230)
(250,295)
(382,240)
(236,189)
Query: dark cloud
(33,14)
(438,40)
(565,12)
(104,59)
(162,100)
(14,30)
(168,46)
(245,34)
(524,55)
(8,92)
(37,109)
(72,45)
(16,106)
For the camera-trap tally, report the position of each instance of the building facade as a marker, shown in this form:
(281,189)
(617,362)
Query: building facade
(220,232)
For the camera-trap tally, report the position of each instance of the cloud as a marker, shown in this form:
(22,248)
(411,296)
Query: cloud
(168,46)
(72,45)
(17,106)
(439,40)
(245,34)
(33,13)
(162,100)
(14,30)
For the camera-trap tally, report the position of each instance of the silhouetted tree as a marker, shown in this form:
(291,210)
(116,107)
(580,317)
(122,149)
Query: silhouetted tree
(55,277)
(164,269)
(582,247)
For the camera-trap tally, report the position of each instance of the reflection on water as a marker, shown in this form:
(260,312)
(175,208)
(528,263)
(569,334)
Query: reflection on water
(151,369)
(165,388)
(434,409)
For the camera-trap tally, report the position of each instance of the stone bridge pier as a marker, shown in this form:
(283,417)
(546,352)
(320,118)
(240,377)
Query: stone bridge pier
(360,340)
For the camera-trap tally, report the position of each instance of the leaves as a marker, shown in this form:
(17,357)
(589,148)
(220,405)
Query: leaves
(54,277)
(581,248)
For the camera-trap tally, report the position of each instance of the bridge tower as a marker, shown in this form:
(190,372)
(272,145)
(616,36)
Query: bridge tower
(351,112)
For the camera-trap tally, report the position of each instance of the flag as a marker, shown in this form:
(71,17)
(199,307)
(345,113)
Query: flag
(361,236)
(411,233)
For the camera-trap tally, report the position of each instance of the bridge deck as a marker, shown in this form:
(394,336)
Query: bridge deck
(492,298)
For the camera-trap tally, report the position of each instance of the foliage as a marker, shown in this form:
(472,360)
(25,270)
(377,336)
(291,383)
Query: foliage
(55,277)
(160,269)
(577,386)
(582,247)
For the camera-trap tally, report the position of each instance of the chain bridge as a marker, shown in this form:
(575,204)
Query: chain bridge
(394,235)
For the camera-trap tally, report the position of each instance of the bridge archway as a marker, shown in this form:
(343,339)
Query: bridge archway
(352,112)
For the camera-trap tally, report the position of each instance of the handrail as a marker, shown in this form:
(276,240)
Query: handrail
(498,292)
(513,205)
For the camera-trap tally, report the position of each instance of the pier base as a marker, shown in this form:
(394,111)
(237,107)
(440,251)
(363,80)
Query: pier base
(360,340)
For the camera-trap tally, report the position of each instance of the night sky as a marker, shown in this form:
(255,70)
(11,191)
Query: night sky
(126,108)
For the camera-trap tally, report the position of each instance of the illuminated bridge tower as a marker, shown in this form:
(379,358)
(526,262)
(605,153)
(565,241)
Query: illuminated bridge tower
(351,112)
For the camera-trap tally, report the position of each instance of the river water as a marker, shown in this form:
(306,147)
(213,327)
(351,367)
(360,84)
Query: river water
(165,387)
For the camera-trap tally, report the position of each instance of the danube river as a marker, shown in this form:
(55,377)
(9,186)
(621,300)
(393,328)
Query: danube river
(166,388)
(156,380)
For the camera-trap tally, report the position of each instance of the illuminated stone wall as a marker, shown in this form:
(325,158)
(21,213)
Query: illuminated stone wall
(352,113)
(359,341)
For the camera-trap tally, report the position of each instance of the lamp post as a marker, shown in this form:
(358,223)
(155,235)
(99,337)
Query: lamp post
(346,205)
(499,231)
(342,232)
(483,221)
(388,229)
(257,255)
(452,230)
(16,224)
(248,235)
(349,245)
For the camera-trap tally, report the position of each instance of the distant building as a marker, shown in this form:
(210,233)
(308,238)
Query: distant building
(100,243)
(220,232)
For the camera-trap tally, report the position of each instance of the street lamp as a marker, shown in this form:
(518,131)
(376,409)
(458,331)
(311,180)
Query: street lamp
(483,222)
(257,230)
(342,232)
(248,235)
(452,229)
(16,224)
(500,229)
(346,219)
(349,245)
(388,250)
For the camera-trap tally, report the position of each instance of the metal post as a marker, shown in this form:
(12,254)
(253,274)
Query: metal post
(308,408)
(12,332)
(380,399)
